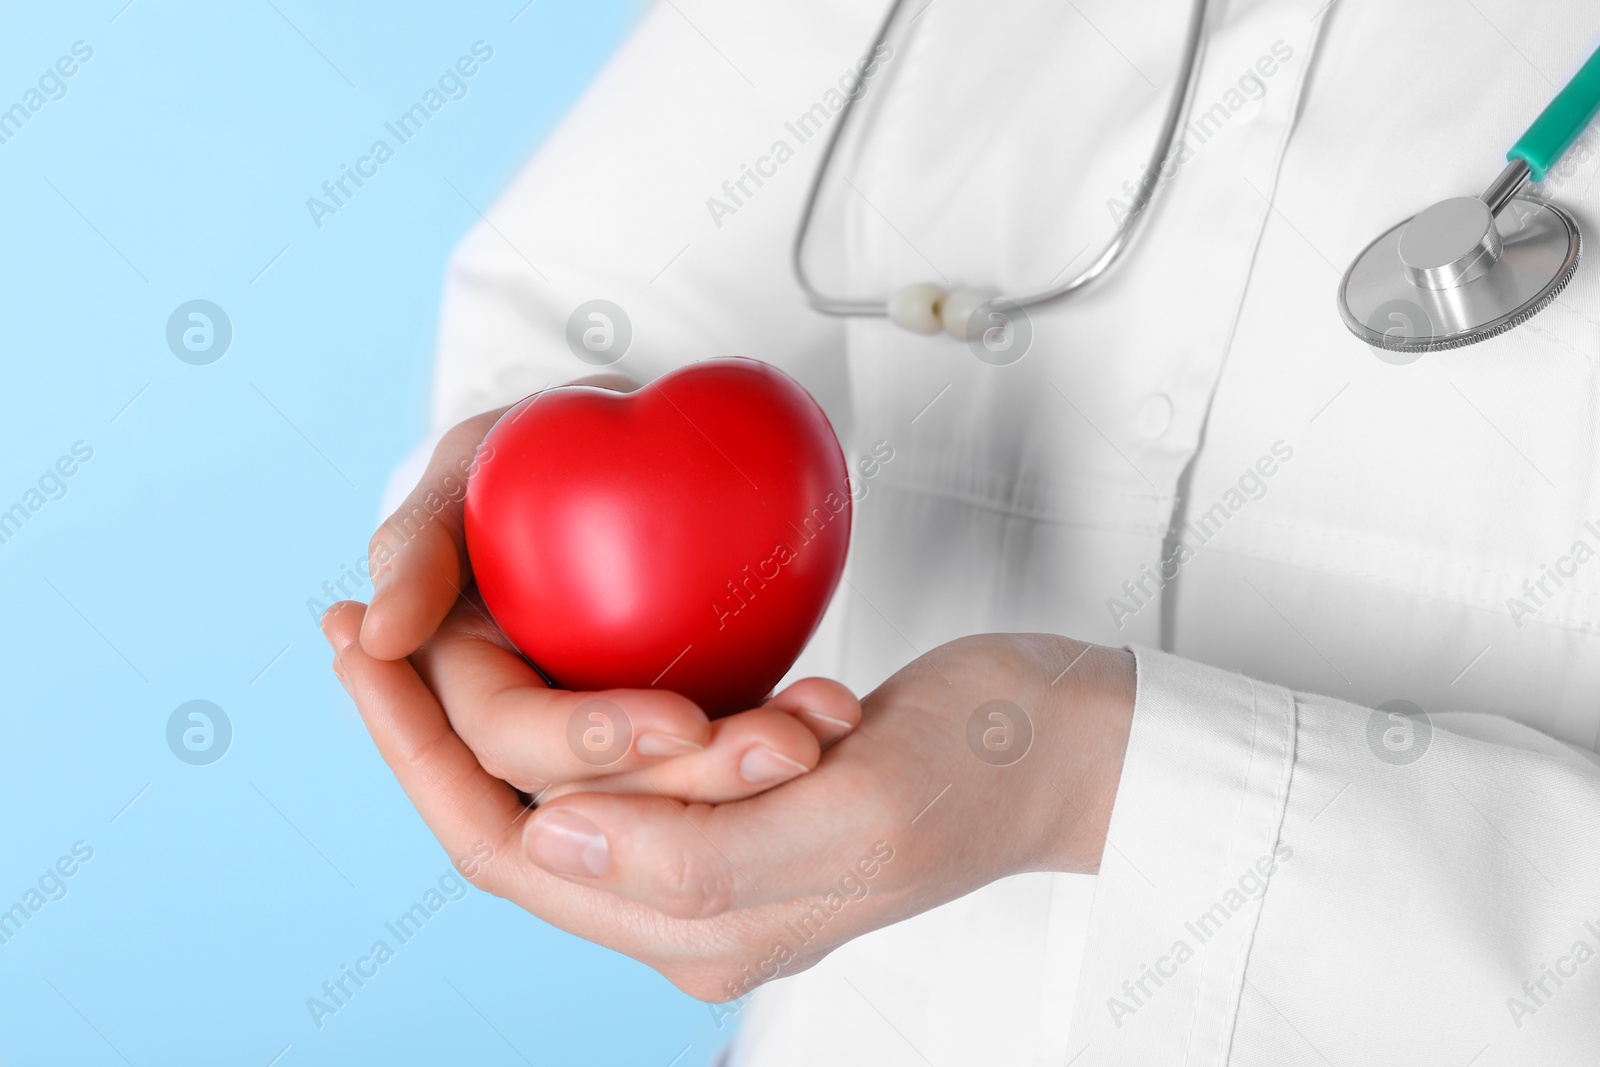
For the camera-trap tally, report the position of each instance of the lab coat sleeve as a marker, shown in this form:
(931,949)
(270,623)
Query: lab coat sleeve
(664,191)
(1292,879)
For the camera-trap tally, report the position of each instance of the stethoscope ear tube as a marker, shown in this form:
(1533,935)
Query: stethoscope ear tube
(1165,146)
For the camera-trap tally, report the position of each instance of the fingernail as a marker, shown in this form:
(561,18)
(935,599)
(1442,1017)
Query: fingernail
(327,617)
(838,724)
(380,581)
(565,843)
(762,765)
(338,672)
(664,745)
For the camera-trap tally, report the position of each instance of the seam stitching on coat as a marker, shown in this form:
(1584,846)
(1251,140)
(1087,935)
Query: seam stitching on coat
(1192,1029)
(1279,814)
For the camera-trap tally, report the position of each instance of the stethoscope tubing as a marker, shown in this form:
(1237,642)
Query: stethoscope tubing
(1166,143)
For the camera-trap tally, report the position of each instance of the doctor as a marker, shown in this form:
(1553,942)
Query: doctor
(1338,801)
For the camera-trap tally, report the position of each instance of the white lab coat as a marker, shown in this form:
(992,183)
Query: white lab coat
(1398,905)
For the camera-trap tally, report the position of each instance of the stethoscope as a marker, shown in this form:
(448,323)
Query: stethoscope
(1464,270)
(1467,269)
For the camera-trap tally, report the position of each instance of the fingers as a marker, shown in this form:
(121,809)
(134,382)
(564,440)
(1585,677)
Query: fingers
(467,809)
(828,709)
(530,735)
(695,861)
(418,556)
(747,753)
(690,861)
(527,734)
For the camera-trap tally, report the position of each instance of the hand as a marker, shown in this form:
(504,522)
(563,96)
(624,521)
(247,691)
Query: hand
(901,815)
(419,555)
(538,738)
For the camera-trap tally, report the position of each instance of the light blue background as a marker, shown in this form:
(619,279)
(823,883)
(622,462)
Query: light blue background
(179,562)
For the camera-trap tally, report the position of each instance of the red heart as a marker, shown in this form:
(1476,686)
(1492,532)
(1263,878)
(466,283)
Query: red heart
(687,536)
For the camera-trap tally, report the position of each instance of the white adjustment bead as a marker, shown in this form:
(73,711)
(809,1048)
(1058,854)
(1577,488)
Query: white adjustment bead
(916,308)
(956,312)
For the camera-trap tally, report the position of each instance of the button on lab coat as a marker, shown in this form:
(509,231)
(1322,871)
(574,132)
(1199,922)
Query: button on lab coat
(1193,458)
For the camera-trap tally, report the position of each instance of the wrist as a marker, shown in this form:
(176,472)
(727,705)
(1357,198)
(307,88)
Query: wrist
(1089,719)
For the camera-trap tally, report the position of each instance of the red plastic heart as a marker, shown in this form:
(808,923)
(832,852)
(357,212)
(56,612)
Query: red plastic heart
(687,536)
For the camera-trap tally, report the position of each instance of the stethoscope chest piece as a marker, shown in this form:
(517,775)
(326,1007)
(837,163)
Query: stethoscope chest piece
(1459,273)
(1470,268)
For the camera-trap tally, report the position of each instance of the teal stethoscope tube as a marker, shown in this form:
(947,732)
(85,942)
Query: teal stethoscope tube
(1562,123)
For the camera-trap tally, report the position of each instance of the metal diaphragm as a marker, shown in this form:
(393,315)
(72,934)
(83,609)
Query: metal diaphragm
(1382,305)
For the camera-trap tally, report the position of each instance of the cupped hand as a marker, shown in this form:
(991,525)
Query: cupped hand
(544,740)
(990,756)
